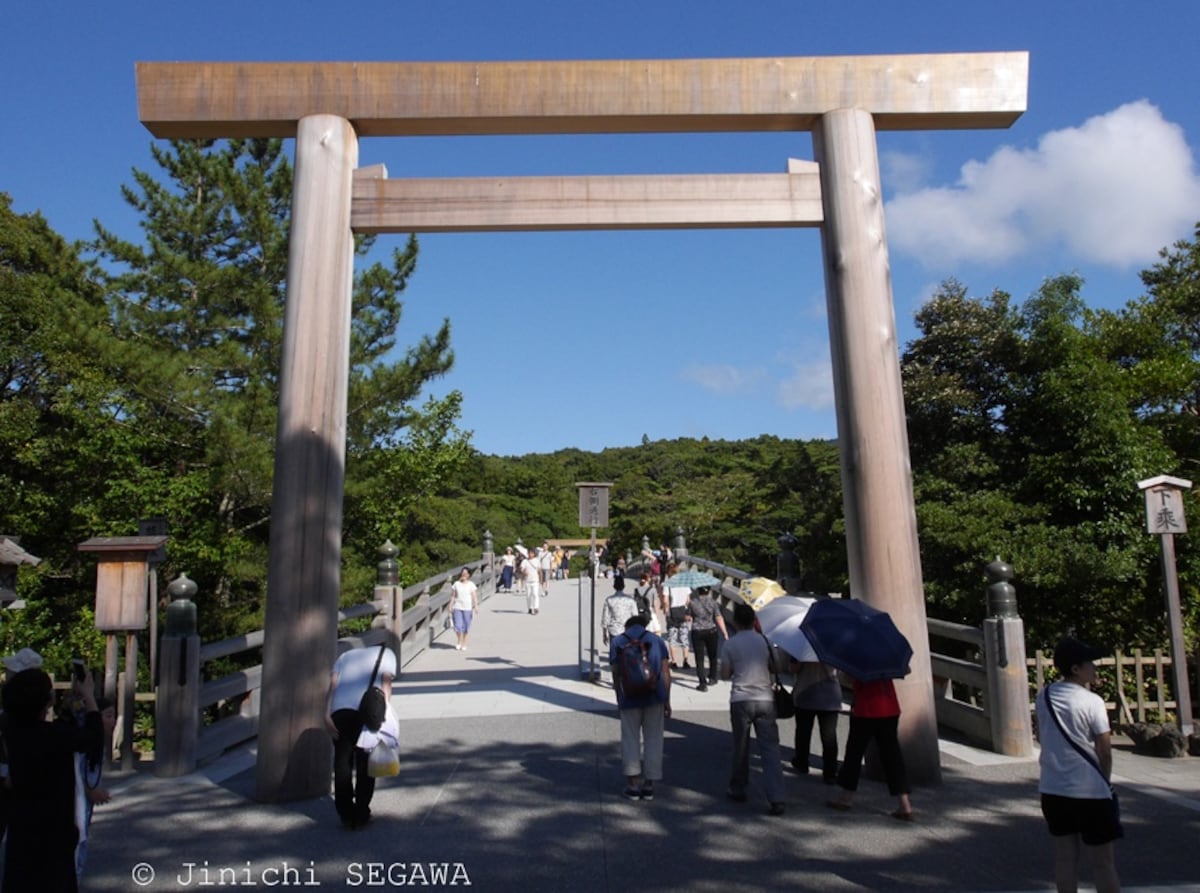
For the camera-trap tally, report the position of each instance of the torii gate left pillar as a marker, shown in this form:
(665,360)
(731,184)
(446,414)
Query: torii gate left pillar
(326,106)
(304,571)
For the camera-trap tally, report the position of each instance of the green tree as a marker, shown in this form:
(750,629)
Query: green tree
(1027,447)
(63,426)
(201,302)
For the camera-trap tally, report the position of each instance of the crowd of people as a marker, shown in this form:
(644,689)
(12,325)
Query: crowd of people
(50,760)
(1081,810)
(669,623)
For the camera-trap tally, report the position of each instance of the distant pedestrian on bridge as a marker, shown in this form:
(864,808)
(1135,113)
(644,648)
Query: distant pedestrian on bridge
(507,565)
(679,627)
(616,611)
(465,606)
(545,567)
(533,591)
(707,623)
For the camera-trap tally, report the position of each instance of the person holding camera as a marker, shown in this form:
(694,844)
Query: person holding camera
(42,758)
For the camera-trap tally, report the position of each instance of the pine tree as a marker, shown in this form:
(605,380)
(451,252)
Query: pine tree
(202,302)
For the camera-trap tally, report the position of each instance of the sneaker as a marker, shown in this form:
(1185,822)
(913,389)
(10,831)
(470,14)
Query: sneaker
(632,794)
(701,687)
(648,791)
(776,809)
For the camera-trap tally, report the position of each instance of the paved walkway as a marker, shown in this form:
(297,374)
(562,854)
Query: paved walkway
(510,779)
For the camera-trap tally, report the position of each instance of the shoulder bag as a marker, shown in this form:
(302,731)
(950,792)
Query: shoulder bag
(785,704)
(372,707)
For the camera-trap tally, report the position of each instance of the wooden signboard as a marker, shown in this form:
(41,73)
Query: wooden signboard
(122,580)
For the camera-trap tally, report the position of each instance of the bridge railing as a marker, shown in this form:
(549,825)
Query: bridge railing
(197,719)
(976,690)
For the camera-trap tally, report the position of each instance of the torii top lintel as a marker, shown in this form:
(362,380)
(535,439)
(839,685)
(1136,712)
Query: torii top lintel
(213,100)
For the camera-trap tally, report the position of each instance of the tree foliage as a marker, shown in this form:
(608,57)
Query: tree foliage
(144,383)
(148,378)
(1028,444)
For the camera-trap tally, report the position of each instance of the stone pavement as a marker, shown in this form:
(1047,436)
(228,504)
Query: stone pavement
(510,780)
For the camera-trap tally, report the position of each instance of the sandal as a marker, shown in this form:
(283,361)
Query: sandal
(903,816)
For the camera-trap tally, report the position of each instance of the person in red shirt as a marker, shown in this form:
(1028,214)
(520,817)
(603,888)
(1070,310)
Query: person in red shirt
(874,716)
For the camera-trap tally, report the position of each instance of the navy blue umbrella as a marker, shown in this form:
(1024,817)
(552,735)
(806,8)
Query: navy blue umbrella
(859,640)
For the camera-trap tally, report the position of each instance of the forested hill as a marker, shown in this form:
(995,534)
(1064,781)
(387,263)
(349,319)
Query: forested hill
(732,499)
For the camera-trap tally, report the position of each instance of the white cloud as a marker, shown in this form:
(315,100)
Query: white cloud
(1112,191)
(723,379)
(810,386)
(905,171)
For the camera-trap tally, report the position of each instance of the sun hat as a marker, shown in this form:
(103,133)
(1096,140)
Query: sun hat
(25,659)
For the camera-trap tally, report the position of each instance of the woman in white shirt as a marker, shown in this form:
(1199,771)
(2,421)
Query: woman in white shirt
(464,605)
(1076,765)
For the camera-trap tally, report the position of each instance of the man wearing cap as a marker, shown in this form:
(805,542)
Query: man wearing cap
(1078,802)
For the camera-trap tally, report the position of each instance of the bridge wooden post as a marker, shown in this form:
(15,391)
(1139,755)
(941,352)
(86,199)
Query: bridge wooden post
(295,757)
(881,522)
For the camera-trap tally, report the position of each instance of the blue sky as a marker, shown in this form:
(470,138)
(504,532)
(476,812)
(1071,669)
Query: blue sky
(592,340)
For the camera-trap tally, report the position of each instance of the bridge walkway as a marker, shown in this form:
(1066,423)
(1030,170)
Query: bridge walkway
(510,778)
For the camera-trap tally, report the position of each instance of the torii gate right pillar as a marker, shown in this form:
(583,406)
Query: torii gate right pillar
(881,522)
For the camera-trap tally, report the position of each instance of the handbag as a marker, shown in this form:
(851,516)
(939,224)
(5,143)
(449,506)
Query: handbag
(372,706)
(1088,758)
(785,703)
(384,761)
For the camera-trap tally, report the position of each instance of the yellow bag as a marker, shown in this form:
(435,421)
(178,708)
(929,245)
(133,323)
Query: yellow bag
(384,761)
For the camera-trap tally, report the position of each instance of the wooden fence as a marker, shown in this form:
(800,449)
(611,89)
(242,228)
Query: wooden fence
(1148,701)
(230,703)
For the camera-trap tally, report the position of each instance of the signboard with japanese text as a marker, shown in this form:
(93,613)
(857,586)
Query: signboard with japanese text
(1164,510)
(593,504)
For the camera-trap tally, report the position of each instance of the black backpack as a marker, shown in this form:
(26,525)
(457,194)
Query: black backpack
(642,597)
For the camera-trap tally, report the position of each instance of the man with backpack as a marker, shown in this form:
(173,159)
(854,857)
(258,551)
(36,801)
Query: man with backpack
(642,679)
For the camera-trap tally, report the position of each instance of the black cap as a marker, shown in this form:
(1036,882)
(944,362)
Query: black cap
(1070,652)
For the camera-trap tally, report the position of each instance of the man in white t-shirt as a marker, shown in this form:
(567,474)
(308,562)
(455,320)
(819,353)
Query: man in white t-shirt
(352,674)
(1076,766)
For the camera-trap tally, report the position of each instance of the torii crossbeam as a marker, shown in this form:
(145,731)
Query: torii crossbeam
(327,106)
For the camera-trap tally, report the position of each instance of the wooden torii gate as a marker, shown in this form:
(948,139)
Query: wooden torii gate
(327,107)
